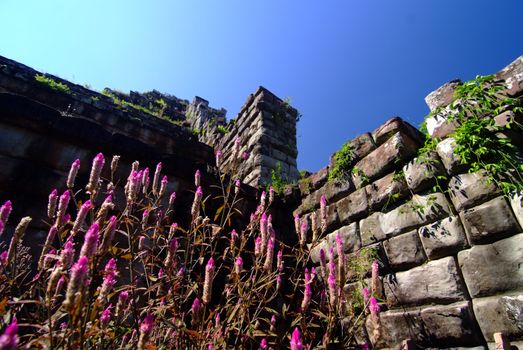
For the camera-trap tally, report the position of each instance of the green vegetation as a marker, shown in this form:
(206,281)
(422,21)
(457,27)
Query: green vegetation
(222,129)
(342,163)
(52,84)
(480,143)
(278,182)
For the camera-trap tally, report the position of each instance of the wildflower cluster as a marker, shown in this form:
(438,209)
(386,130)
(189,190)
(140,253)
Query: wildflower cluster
(132,277)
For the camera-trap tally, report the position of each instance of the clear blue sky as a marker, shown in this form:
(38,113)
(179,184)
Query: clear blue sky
(346,65)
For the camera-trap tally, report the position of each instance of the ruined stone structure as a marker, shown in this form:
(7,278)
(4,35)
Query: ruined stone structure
(450,261)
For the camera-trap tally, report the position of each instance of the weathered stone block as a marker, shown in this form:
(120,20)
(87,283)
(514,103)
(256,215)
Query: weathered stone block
(420,211)
(500,314)
(404,251)
(443,237)
(386,190)
(443,95)
(370,229)
(360,146)
(437,281)
(393,126)
(421,172)
(437,327)
(351,242)
(442,124)
(397,149)
(489,221)
(493,268)
(515,202)
(513,76)
(508,117)
(319,178)
(450,160)
(470,189)
(353,207)
(334,190)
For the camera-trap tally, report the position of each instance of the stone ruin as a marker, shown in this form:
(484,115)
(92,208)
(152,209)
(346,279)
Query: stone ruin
(451,274)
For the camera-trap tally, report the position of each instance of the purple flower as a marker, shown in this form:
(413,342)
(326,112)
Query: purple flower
(156,178)
(207,284)
(72,173)
(76,281)
(5,211)
(195,309)
(91,241)
(146,328)
(296,343)
(9,340)
(106,316)
(96,170)
(374,307)
(80,217)
(163,185)
(51,205)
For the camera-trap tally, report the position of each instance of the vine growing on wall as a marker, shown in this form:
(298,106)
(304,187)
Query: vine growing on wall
(481,143)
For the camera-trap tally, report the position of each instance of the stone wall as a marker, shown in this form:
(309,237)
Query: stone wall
(450,261)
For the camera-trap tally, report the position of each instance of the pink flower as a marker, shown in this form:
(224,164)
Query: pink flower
(156,178)
(263,199)
(51,206)
(374,306)
(63,203)
(163,186)
(269,255)
(237,186)
(332,289)
(197,201)
(146,328)
(5,211)
(279,261)
(218,157)
(3,258)
(297,224)
(258,246)
(238,265)
(72,173)
(9,340)
(67,254)
(114,163)
(106,316)
(91,241)
(304,228)
(80,217)
(145,180)
(197,177)
(172,198)
(366,296)
(195,309)
(296,343)
(96,170)
(76,281)
(207,284)
(307,295)
(245,155)
(263,344)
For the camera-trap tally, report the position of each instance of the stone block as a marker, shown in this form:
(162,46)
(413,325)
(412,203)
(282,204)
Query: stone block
(361,146)
(336,189)
(353,207)
(442,238)
(319,178)
(508,117)
(370,229)
(422,171)
(351,242)
(500,314)
(441,326)
(513,76)
(421,210)
(386,157)
(438,281)
(404,251)
(386,190)
(441,124)
(393,126)
(450,160)
(470,189)
(489,221)
(516,201)
(493,268)
(443,95)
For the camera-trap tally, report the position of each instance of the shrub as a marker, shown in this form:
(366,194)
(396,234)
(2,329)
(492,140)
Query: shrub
(52,84)
(134,278)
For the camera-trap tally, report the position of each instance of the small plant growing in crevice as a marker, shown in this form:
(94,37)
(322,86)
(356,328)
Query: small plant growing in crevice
(52,84)
(342,163)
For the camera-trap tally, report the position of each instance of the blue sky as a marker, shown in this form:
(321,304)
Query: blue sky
(346,65)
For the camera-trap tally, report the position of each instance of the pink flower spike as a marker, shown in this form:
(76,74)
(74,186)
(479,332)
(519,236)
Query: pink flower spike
(374,306)
(218,157)
(207,284)
(257,246)
(172,198)
(9,340)
(197,176)
(238,265)
(263,344)
(51,206)
(91,241)
(3,258)
(147,324)
(72,173)
(196,306)
(106,316)
(163,185)
(245,156)
(2,226)
(5,211)
(296,343)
